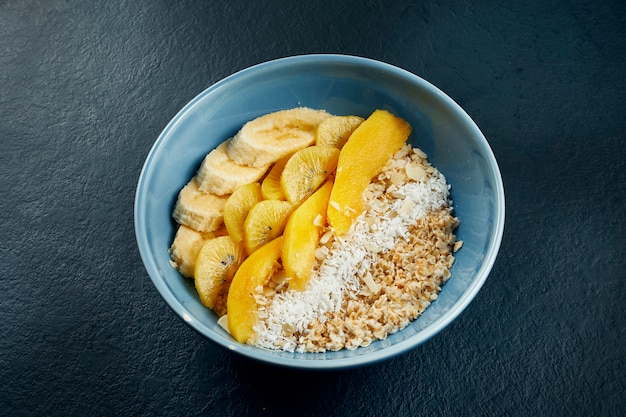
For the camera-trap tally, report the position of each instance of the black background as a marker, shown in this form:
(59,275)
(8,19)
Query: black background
(86,88)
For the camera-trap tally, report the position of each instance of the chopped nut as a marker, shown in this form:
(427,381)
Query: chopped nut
(223,322)
(419,153)
(397,194)
(397,178)
(321,253)
(402,152)
(326,237)
(371,284)
(318,221)
(415,172)
(407,206)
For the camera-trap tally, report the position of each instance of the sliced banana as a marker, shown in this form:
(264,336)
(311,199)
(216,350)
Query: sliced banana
(265,221)
(216,264)
(200,211)
(268,138)
(184,250)
(220,175)
(186,245)
(306,170)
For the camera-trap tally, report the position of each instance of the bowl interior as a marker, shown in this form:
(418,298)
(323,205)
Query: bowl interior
(341,85)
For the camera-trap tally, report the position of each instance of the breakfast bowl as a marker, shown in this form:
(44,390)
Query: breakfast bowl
(340,85)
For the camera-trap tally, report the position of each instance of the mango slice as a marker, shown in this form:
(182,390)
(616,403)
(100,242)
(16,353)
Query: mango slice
(302,237)
(255,271)
(362,157)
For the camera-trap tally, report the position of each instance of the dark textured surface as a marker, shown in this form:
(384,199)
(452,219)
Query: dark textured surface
(85,89)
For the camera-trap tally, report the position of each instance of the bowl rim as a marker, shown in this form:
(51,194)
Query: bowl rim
(350,361)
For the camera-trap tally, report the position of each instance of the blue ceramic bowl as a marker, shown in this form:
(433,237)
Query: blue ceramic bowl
(341,85)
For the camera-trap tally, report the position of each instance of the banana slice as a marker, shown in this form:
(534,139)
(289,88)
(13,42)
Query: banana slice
(306,170)
(216,264)
(184,250)
(335,130)
(237,208)
(186,245)
(265,221)
(268,138)
(200,211)
(220,175)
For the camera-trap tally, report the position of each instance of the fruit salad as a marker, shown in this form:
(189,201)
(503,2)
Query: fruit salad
(309,232)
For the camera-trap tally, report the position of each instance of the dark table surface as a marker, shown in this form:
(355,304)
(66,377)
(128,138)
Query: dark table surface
(86,88)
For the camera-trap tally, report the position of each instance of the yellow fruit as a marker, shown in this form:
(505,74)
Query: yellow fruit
(255,271)
(186,246)
(216,265)
(335,130)
(220,175)
(200,211)
(237,207)
(266,221)
(302,237)
(306,170)
(363,156)
(184,249)
(270,187)
(268,138)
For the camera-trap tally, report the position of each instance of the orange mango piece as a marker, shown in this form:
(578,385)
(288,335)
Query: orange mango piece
(257,269)
(362,157)
(302,236)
